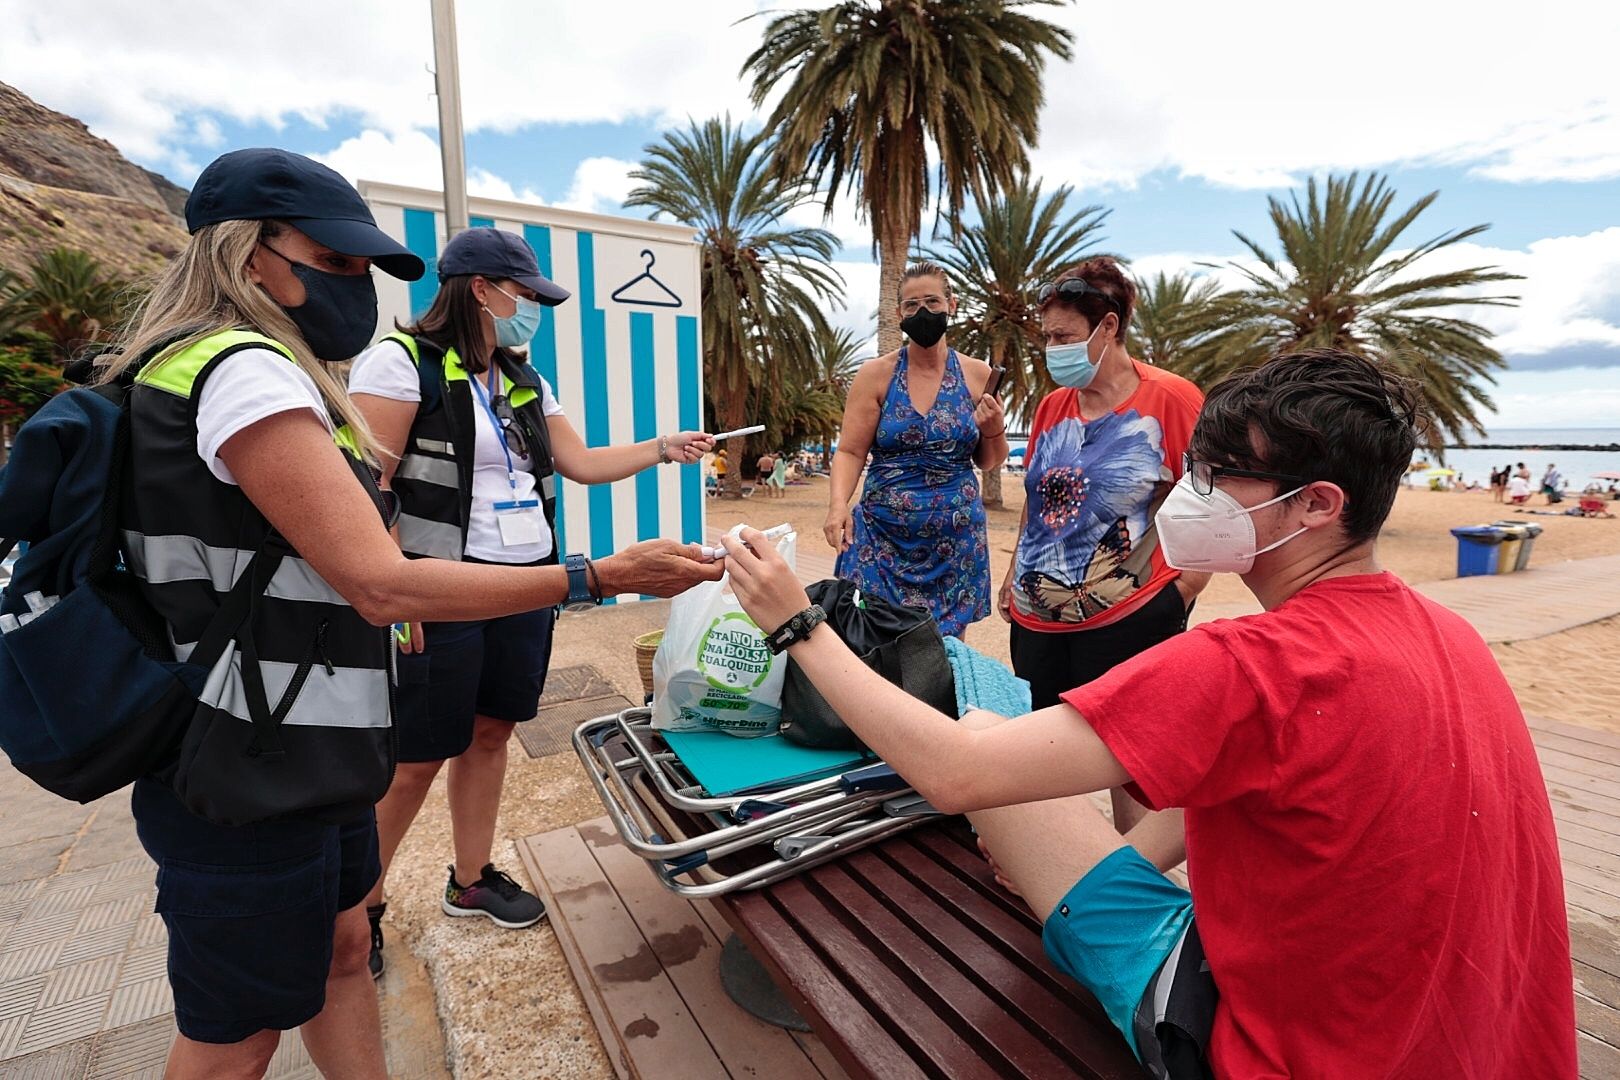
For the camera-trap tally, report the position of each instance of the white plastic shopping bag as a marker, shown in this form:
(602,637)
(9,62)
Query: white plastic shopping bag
(713,670)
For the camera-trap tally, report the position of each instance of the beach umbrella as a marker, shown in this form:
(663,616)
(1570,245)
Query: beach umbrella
(1016,452)
(1440,472)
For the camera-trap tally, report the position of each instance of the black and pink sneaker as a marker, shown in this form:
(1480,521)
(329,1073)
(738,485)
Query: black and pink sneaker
(494,895)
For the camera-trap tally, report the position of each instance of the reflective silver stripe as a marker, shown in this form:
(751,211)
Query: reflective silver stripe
(348,698)
(435,539)
(434,446)
(548,486)
(159,560)
(429,471)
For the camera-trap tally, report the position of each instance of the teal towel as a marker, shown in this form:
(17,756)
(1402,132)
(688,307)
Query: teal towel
(983,682)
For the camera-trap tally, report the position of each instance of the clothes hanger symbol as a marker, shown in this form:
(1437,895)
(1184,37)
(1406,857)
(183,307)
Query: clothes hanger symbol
(668,299)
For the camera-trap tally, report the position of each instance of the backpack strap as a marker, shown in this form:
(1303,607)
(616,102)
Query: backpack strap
(430,374)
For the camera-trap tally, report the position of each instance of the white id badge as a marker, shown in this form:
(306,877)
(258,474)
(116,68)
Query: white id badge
(520,522)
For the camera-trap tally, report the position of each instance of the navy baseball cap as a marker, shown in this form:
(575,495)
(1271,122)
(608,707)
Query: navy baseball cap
(260,183)
(494,254)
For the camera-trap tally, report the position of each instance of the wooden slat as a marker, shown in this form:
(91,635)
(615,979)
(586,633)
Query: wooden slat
(1575,762)
(1540,724)
(1596,880)
(885,992)
(1594,940)
(1573,851)
(955,934)
(934,983)
(1599,1060)
(690,955)
(1597,1019)
(533,852)
(1579,747)
(817,1051)
(1559,777)
(1586,800)
(1588,837)
(865,1049)
(1597,984)
(1595,821)
(658,1032)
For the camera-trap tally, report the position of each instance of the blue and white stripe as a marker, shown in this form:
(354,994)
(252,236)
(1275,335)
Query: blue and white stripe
(622,373)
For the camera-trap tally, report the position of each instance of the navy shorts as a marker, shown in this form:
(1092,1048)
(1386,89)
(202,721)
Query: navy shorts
(492,667)
(250,911)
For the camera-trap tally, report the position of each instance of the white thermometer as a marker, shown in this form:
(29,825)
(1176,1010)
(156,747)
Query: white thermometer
(718,552)
(757,428)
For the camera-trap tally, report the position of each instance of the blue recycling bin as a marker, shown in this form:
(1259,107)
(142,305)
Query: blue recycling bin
(1478,548)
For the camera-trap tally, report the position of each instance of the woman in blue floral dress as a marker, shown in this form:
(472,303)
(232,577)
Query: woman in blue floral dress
(917,537)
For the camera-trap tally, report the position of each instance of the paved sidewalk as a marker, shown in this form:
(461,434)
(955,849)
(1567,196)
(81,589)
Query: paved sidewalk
(1519,606)
(83,959)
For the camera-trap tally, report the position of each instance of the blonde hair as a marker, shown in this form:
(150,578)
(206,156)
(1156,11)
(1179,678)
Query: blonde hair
(206,289)
(926,268)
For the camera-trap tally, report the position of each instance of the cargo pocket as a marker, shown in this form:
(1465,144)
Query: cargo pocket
(249,946)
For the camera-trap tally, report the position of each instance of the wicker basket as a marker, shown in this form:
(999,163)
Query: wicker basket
(647,647)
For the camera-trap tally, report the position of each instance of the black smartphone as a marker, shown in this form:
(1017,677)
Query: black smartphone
(994,384)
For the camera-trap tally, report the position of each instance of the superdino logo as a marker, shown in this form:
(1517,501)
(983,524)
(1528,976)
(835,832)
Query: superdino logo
(732,654)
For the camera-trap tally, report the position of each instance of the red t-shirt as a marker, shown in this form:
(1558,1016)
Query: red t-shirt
(1369,843)
(1089,554)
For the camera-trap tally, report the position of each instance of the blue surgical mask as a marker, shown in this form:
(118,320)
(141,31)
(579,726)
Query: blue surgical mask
(1071,365)
(515,330)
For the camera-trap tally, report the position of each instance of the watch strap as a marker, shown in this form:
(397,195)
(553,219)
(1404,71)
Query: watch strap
(795,629)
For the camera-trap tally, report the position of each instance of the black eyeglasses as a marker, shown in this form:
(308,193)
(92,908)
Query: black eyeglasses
(1204,474)
(513,431)
(1074,289)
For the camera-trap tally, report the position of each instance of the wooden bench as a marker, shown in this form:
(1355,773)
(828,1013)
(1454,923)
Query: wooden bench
(909,961)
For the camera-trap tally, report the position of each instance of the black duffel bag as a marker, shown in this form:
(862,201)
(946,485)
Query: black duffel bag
(902,644)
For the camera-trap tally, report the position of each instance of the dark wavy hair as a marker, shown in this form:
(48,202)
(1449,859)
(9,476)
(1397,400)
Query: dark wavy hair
(1321,414)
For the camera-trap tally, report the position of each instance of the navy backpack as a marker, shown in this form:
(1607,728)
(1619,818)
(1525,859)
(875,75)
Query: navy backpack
(91,697)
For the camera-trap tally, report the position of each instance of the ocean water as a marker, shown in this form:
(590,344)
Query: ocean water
(1576,465)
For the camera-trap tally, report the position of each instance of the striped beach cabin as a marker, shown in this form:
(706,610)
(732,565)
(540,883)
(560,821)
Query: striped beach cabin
(621,354)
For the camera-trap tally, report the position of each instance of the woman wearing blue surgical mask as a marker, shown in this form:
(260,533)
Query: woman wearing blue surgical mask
(473,439)
(1089,586)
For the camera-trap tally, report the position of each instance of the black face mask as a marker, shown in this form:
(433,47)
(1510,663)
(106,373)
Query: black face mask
(339,311)
(925,327)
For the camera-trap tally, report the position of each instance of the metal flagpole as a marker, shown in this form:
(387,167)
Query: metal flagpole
(447,74)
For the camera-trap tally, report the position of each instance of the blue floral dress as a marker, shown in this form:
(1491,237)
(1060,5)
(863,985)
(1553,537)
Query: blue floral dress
(918,538)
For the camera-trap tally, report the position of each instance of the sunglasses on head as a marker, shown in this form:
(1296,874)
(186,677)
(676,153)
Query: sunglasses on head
(1073,289)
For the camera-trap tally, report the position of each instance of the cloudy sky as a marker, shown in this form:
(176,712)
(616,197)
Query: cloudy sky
(1180,117)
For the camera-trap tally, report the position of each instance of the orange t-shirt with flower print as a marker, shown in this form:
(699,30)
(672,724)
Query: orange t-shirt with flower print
(1089,554)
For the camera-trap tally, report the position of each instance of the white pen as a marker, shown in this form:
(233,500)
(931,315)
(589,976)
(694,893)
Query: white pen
(740,431)
(775,532)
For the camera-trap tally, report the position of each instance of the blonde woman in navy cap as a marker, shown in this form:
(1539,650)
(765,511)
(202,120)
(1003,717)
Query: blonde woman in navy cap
(473,440)
(252,512)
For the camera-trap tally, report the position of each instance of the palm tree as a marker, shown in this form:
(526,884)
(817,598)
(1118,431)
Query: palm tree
(871,91)
(998,264)
(765,285)
(838,354)
(70,298)
(1176,322)
(1343,280)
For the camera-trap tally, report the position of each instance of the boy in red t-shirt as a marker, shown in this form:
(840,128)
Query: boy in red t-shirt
(1376,888)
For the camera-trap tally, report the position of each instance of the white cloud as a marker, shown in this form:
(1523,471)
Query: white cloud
(412,158)
(1247,95)
(1250,95)
(859,311)
(600,185)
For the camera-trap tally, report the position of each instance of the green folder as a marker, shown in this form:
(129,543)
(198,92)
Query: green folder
(726,765)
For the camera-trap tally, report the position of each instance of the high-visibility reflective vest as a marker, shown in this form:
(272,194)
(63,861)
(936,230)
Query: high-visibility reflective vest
(186,535)
(434,477)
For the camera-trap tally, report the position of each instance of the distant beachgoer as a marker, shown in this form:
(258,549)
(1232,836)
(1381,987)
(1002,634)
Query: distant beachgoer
(1518,489)
(917,537)
(1552,484)
(762,473)
(1498,483)
(1522,470)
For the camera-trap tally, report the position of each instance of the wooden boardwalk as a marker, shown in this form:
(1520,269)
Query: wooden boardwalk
(647,961)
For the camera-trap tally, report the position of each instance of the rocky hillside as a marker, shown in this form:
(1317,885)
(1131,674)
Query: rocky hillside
(62,186)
